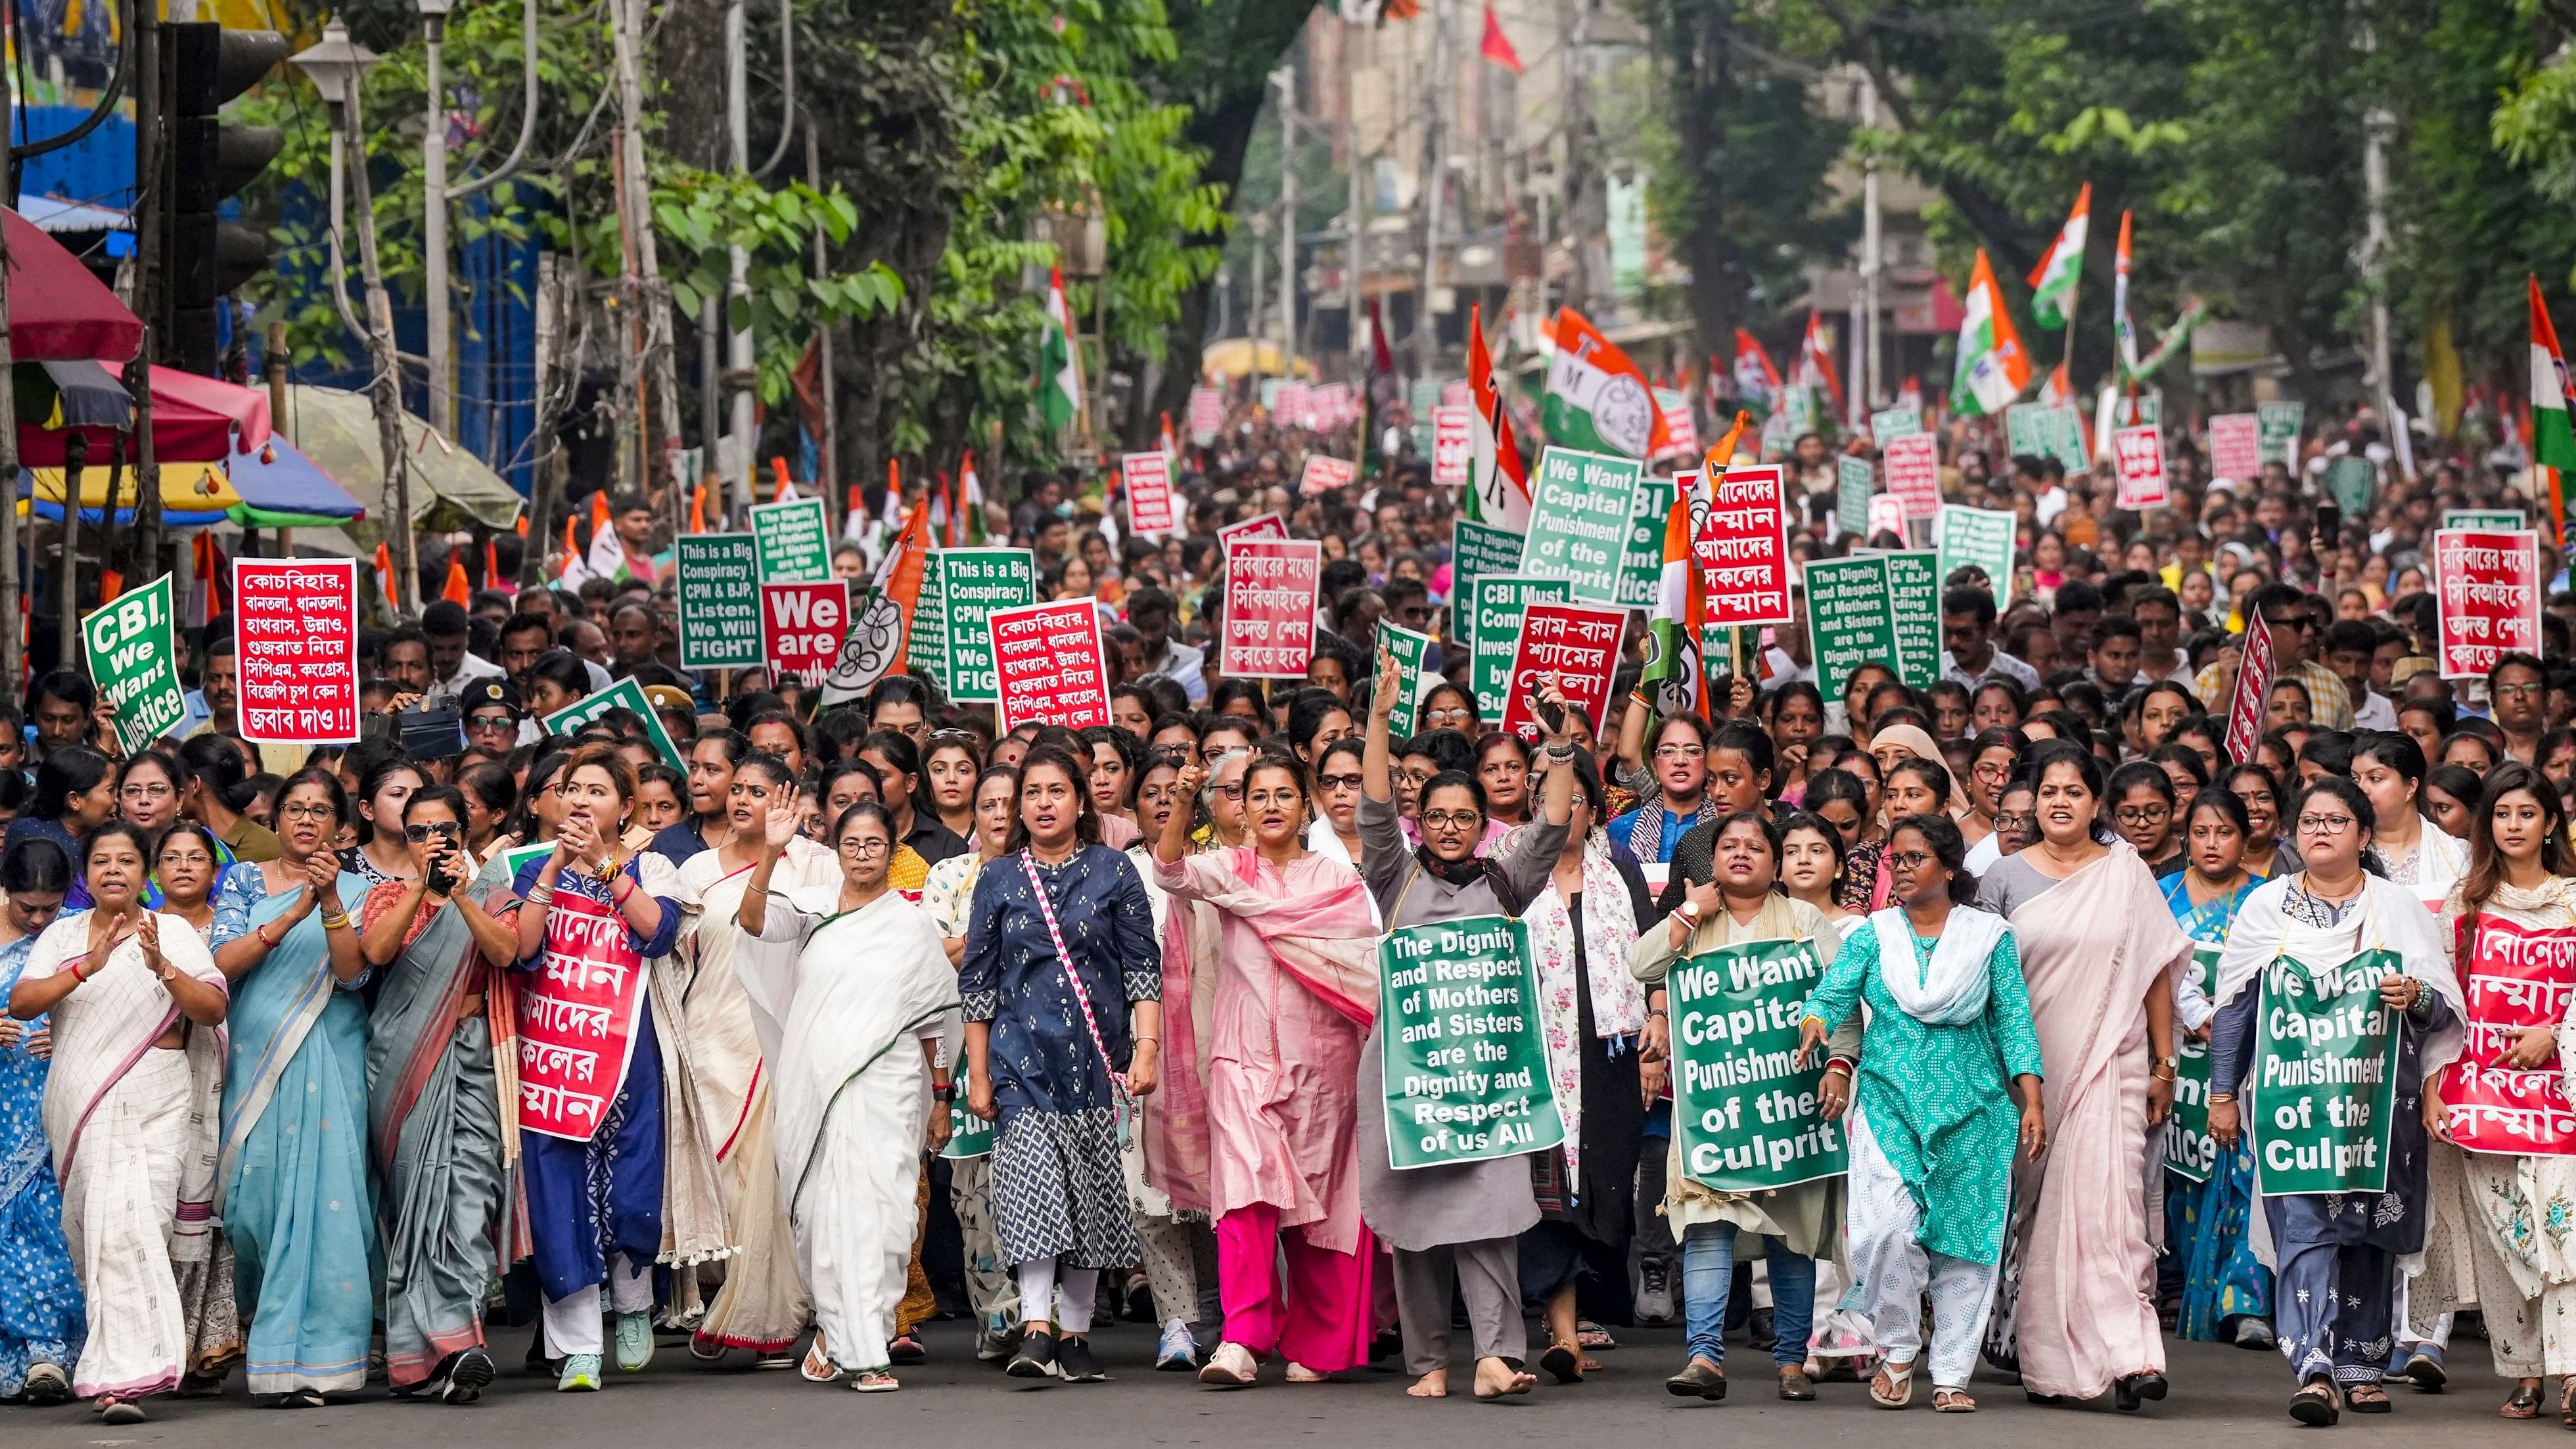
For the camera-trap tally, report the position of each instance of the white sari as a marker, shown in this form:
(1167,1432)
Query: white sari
(842,1003)
(117,1112)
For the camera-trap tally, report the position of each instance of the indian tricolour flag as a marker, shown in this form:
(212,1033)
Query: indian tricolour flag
(1597,400)
(1993,369)
(1497,483)
(2052,299)
(1059,366)
(1673,676)
(2552,445)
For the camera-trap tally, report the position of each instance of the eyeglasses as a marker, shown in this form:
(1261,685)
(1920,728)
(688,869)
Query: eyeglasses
(1338,782)
(307,812)
(1230,792)
(1275,797)
(1452,819)
(865,848)
(1994,772)
(1440,718)
(2292,621)
(417,834)
(1413,777)
(2518,690)
(2324,824)
(1908,860)
(2143,814)
(2017,822)
(143,792)
(491,722)
(1680,752)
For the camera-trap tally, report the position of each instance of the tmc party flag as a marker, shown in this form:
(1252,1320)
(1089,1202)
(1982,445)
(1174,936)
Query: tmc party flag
(1816,361)
(2052,301)
(1059,366)
(1993,369)
(1757,382)
(1498,485)
(2121,327)
(1597,400)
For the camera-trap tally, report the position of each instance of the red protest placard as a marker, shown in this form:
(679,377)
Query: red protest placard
(2236,447)
(1324,474)
(2486,587)
(1295,407)
(2514,979)
(1330,405)
(1207,415)
(1914,473)
(1743,548)
(1270,588)
(803,626)
(1147,478)
(2138,455)
(1260,525)
(1049,662)
(1886,515)
(577,1020)
(2254,670)
(1453,446)
(1578,644)
(295,637)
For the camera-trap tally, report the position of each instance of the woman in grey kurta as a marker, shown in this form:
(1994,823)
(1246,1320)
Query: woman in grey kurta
(1451,1223)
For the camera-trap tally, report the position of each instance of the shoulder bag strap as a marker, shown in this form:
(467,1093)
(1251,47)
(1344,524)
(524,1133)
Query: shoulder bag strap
(1081,994)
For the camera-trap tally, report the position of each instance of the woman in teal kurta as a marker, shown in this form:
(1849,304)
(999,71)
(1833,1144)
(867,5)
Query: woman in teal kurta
(1933,1126)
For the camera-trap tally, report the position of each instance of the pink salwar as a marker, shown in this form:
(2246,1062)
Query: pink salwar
(1324,1318)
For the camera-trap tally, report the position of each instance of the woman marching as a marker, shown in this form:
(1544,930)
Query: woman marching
(2226,1290)
(851,992)
(41,1324)
(1724,890)
(1167,1158)
(1060,938)
(2098,955)
(2336,1253)
(117,983)
(434,1095)
(293,1183)
(2510,925)
(1453,1223)
(1296,988)
(1933,1136)
(762,1305)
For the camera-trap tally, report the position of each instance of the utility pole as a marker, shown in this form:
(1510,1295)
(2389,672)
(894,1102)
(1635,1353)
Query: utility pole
(1253,322)
(657,384)
(12,656)
(1871,250)
(1355,219)
(2378,127)
(1435,184)
(1575,184)
(387,382)
(1285,77)
(831,479)
(433,185)
(739,357)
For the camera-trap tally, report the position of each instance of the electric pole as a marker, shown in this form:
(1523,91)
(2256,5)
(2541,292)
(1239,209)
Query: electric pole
(1285,77)
(1435,184)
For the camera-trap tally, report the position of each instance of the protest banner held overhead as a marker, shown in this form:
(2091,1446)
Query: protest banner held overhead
(719,599)
(1913,464)
(794,539)
(1577,644)
(1742,549)
(1048,664)
(2486,589)
(295,638)
(802,627)
(133,657)
(1581,508)
(1147,479)
(1270,601)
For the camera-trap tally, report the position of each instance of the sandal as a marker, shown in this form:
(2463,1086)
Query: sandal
(2567,1401)
(818,1367)
(1562,1363)
(2315,1404)
(1899,1387)
(2367,1399)
(2524,1404)
(1952,1401)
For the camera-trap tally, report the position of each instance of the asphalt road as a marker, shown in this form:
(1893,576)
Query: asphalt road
(2221,1396)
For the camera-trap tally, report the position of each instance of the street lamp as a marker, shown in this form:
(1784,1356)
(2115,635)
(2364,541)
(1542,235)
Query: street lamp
(338,67)
(433,187)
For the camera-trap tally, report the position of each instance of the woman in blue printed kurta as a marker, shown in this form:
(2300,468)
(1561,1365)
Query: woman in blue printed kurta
(2226,1290)
(1053,1006)
(41,1322)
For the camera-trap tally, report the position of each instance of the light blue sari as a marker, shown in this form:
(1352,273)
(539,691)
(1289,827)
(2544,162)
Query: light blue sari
(41,1318)
(294,1169)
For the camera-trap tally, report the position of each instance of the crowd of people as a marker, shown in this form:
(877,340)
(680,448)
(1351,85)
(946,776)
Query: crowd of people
(325,1064)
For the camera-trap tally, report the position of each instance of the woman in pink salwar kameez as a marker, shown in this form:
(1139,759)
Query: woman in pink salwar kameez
(1296,988)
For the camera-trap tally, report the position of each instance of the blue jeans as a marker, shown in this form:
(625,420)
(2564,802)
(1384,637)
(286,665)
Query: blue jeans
(1708,1274)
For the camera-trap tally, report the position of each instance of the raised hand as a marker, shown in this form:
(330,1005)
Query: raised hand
(786,817)
(1390,685)
(147,934)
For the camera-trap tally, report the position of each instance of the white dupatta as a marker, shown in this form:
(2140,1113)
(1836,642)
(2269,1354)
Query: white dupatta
(2389,917)
(1952,991)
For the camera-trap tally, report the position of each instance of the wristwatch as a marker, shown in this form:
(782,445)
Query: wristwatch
(943,1092)
(1690,910)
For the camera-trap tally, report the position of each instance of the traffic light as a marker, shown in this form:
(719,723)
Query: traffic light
(207,161)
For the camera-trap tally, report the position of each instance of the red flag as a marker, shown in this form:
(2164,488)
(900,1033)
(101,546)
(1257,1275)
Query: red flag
(1498,46)
(491,564)
(110,584)
(1816,361)
(598,512)
(698,509)
(385,575)
(778,469)
(456,588)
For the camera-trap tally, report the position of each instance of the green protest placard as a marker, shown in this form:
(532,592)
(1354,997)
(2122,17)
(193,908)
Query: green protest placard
(1458,1036)
(968,1134)
(1849,621)
(1745,1119)
(1580,508)
(2352,483)
(973,582)
(2501,520)
(1493,633)
(2279,424)
(515,859)
(718,578)
(795,540)
(135,661)
(1899,422)
(624,694)
(2325,1076)
(1410,650)
(2190,1152)
(1641,570)
(1478,549)
(1854,481)
(2038,430)
(1978,538)
(1914,598)
(925,650)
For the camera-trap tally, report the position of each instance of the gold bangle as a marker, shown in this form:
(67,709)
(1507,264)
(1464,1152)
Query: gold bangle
(334,923)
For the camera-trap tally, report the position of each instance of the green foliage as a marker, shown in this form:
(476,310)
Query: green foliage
(701,216)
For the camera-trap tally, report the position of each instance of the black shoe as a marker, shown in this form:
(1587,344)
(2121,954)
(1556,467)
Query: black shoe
(1385,1346)
(467,1373)
(1758,1331)
(1074,1364)
(907,1349)
(1036,1358)
(1697,1380)
(2129,1392)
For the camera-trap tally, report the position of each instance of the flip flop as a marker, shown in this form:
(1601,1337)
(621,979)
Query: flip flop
(1899,1391)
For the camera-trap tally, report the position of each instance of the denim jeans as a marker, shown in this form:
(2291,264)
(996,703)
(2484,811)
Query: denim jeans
(1708,1274)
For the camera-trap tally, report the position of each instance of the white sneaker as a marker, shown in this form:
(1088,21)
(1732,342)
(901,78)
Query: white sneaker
(1230,1367)
(1178,1352)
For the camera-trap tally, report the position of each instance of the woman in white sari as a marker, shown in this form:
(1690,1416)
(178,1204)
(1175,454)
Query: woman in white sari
(762,1306)
(842,979)
(117,980)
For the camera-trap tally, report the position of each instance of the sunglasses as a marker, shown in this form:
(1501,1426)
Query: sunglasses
(419,833)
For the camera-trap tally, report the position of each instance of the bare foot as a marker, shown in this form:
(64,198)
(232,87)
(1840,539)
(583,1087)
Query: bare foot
(1298,1373)
(1496,1378)
(1433,1385)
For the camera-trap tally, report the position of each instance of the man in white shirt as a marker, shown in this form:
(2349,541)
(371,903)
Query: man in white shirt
(1968,626)
(2350,645)
(452,663)
(1153,612)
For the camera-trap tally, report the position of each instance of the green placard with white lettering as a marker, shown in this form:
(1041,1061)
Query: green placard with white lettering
(718,578)
(1914,597)
(1979,538)
(1493,633)
(1458,1035)
(1410,650)
(2277,432)
(973,582)
(1478,549)
(134,659)
(1746,1120)
(1899,422)
(2502,520)
(968,1134)
(2041,430)
(1581,505)
(2190,1152)
(1641,569)
(1849,620)
(2352,483)
(925,650)
(795,541)
(1854,481)
(2325,1076)
(624,694)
